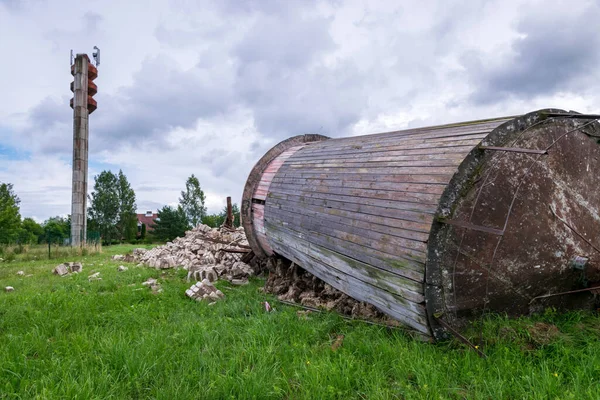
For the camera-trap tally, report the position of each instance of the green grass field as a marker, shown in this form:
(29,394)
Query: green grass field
(68,338)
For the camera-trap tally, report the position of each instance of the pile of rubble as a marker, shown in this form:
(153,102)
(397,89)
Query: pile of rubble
(205,252)
(209,254)
(292,283)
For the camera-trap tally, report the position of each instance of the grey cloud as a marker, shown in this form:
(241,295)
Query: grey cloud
(80,35)
(301,101)
(147,205)
(275,71)
(50,129)
(175,38)
(161,97)
(151,188)
(11,4)
(272,7)
(281,42)
(290,92)
(558,52)
(49,112)
(91,21)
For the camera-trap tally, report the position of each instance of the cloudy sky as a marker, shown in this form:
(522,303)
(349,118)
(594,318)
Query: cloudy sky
(206,87)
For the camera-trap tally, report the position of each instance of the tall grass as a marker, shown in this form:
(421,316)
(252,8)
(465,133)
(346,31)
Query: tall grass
(11,253)
(67,337)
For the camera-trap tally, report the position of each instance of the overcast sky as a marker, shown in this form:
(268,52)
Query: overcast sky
(207,87)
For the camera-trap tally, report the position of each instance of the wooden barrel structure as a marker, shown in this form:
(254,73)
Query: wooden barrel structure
(435,226)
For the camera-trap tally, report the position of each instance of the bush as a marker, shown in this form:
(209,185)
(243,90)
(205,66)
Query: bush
(19,249)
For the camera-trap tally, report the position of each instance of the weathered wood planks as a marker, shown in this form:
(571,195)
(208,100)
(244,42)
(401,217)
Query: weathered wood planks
(399,264)
(262,188)
(309,183)
(357,212)
(409,312)
(353,203)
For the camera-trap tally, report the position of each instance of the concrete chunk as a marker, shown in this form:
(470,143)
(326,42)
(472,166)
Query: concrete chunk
(61,270)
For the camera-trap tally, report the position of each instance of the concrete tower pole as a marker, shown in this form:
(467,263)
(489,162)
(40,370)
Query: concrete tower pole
(80,150)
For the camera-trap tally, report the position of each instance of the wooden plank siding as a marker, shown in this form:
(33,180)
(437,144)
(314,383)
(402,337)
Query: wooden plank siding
(357,212)
(409,312)
(260,193)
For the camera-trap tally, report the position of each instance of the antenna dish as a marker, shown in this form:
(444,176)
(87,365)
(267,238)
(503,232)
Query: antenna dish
(96,55)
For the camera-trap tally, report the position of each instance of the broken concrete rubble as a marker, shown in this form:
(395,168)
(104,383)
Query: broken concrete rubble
(75,267)
(94,277)
(138,252)
(204,252)
(154,285)
(204,290)
(61,270)
(201,253)
(292,283)
(121,257)
(122,268)
(66,268)
(204,273)
(150,281)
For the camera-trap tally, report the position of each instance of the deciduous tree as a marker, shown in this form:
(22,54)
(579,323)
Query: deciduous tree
(31,232)
(127,223)
(213,220)
(56,230)
(192,201)
(171,223)
(10,218)
(105,205)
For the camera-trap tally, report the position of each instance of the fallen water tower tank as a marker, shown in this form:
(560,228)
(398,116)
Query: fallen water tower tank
(435,226)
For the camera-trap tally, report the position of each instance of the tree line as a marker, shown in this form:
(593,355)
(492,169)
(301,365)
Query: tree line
(13,229)
(173,222)
(111,213)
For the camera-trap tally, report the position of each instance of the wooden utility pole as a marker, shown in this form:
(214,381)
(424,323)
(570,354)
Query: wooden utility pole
(83,105)
(229,220)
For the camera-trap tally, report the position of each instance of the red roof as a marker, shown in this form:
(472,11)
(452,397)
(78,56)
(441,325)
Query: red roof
(145,219)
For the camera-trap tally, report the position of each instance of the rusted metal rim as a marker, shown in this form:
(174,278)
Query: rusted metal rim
(255,177)
(456,189)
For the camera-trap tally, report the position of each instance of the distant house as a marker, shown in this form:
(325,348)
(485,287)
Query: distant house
(147,219)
